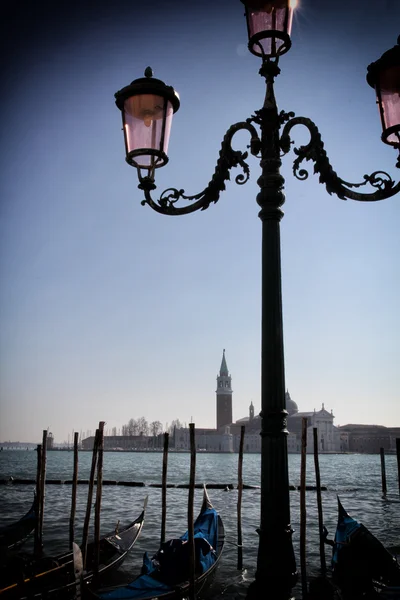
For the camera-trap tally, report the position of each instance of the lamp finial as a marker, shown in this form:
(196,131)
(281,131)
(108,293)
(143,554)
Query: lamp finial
(148,72)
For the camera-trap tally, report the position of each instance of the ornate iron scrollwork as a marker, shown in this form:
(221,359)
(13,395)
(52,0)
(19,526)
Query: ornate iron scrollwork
(228,158)
(384,186)
(315,151)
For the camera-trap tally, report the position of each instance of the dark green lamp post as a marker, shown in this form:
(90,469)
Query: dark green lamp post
(147,106)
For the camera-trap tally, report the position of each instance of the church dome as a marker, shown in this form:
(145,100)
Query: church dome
(291,405)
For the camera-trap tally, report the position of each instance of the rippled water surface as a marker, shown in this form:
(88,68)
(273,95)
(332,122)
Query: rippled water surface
(356,478)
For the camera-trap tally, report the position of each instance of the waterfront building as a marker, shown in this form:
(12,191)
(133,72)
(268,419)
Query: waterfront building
(328,434)
(126,442)
(207,440)
(50,441)
(226,435)
(368,439)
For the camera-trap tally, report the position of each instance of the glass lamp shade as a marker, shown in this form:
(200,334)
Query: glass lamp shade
(147,106)
(384,76)
(269,24)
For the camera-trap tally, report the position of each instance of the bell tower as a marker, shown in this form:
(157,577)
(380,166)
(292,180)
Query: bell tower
(251,411)
(224,395)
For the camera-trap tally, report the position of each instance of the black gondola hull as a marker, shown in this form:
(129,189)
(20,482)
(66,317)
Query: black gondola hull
(54,577)
(359,559)
(14,535)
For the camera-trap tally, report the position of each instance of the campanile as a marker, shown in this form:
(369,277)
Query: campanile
(224,395)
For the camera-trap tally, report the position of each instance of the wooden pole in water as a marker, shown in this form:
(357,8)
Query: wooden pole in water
(42,489)
(319,503)
(85,532)
(192,565)
(37,549)
(303,517)
(164,488)
(239,502)
(398,460)
(74,488)
(99,489)
(383,471)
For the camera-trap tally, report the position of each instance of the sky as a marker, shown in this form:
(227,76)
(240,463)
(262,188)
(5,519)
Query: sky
(110,311)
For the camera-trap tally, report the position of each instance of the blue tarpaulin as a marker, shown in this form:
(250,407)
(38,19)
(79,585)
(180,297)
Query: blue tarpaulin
(169,567)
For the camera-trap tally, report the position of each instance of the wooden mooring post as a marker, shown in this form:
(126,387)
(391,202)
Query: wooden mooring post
(319,503)
(42,487)
(239,501)
(99,490)
(85,533)
(383,472)
(190,512)
(164,487)
(398,461)
(303,514)
(37,548)
(74,489)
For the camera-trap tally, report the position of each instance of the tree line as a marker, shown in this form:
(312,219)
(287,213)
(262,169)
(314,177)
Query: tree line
(140,426)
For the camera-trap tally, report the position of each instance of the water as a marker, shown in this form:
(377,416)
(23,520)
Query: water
(355,478)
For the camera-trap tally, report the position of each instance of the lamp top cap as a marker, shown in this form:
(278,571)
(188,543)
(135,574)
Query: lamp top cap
(147,85)
(149,79)
(390,58)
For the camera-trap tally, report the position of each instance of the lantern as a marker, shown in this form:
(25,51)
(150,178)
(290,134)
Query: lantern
(384,76)
(147,106)
(269,23)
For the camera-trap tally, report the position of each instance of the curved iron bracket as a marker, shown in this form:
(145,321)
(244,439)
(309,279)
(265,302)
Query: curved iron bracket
(384,185)
(228,158)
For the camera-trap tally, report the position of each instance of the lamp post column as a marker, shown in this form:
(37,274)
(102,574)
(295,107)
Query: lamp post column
(276,567)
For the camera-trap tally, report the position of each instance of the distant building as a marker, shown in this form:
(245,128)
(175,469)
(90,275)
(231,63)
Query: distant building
(322,420)
(368,439)
(126,442)
(49,441)
(207,440)
(226,436)
(328,434)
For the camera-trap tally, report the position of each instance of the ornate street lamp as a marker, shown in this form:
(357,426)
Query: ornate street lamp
(269,23)
(270,139)
(147,106)
(384,76)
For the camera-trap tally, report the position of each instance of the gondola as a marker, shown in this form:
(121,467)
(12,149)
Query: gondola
(361,565)
(54,577)
(166,575)
(13,535)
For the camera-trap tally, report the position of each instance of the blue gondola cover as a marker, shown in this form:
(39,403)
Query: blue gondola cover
(169,566)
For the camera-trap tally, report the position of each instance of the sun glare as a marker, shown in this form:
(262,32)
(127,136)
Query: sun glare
(293,3)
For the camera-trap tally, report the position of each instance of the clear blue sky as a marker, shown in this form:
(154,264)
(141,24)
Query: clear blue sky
(111,311)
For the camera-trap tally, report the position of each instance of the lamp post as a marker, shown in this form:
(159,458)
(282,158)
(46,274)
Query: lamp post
(147,107)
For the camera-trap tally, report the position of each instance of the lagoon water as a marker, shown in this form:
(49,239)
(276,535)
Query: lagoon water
(355,478)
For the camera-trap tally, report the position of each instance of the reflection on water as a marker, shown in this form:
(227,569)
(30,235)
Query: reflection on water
(356,478)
